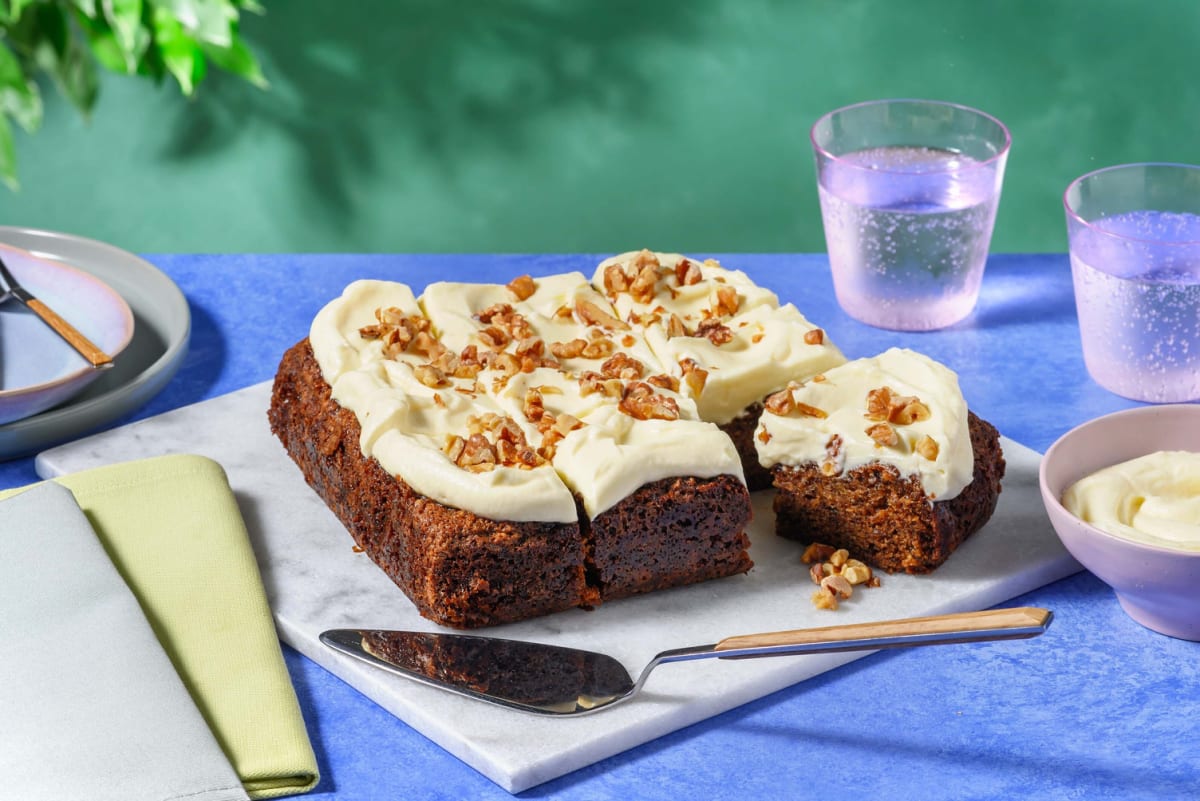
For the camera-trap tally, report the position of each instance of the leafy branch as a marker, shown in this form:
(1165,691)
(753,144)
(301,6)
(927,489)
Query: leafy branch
(67,41)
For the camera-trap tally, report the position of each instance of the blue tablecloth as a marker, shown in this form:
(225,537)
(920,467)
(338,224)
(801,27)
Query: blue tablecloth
(1100,709)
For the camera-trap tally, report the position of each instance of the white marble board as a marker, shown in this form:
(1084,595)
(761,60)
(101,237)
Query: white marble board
(316,581)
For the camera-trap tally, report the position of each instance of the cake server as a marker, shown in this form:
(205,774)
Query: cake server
(96,357)
(553,680)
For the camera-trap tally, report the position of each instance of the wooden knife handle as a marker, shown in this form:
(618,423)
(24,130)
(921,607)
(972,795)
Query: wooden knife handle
(78,341)
(989,624)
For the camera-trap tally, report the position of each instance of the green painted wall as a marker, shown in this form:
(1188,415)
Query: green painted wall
(597,125)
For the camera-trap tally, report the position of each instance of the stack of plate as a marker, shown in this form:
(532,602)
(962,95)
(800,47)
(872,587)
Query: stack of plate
(127,307)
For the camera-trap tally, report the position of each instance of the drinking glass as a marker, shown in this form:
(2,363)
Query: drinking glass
(908,191)
(1133,233)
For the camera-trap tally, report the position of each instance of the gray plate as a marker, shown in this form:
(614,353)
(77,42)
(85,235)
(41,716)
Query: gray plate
(162,325)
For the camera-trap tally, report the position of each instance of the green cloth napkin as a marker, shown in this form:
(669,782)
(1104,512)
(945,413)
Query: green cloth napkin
(174,532)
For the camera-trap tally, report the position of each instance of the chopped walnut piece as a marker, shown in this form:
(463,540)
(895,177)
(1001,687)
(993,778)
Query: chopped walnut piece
(664,381)
(591,314)
(430,376)
(643,258)
(825,599)
(592,382)
(758,337)
(780,403)
(623,366)
(568,350)
(884,435)
(615,280)
(838,585)
(884,405)
(694,376)
(727,301)
(494,338)
(522,286)
(814,337)
(816,552)
(676,328)
(764,436)
(810,411)
(856,572)
(597,349)
(912,411)
(687,273)
(715,331)
(645,283)
(928,447)
(534,407)
(641,402)
(454,447)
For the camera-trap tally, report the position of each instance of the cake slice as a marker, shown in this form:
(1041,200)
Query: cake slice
(881,457)
(728,340)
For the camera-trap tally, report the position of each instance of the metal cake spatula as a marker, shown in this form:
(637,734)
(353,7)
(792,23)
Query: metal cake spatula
(95,356)
(552,680)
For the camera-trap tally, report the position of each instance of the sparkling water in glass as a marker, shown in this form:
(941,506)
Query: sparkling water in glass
(1134,239)
(908,192)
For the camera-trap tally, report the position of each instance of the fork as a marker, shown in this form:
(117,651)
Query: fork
(12,289)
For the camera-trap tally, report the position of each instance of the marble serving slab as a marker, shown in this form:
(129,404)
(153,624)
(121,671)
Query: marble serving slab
(316,581)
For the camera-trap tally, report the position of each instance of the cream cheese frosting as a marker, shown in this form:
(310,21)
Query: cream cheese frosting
(1153,499)
(590,424)
(899,408)
(700,315)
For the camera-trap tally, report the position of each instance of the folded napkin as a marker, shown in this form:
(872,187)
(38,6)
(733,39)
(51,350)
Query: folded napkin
(90,705)
(172,528)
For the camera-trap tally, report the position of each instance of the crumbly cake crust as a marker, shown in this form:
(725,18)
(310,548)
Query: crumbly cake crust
(884,518)
(466,571)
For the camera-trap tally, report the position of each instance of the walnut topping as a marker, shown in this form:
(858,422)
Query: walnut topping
(687,273)
(622,366)
(694,376)
(780,403)
(644,283)
(479,453)
(664,381)
(676,328)
(615,280)
(758,337)
(834,461)
(727,301)
(641,402)
(591,314)
(836,573)
(494,338)
(884,406)
(553,430)
(784,404)
(928,447)
(598,348)
(814,337)
(592,382)
(535,405)
(884,435)
(397,331)
(568,350)
(522,286)
(430,376)
(764,436)
(715,331)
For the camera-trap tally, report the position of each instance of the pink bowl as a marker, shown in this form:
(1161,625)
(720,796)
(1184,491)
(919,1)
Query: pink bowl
(1157,587)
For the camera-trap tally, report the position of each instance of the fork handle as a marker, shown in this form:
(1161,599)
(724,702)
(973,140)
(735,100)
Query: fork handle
(95,356)
(992,624)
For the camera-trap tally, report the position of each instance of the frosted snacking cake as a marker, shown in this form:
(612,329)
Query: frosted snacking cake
(508,451)
(881,457)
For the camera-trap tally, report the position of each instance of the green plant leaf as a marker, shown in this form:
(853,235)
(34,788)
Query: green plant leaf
(180,54)
(125,19)
(76,76)
(19,96)
(8,155)
(206,21)
(237,59)
(88,7)
(11,11)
